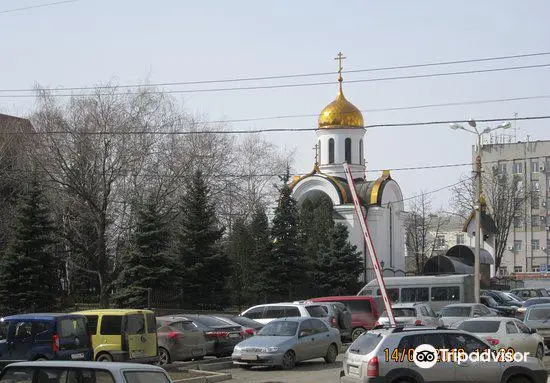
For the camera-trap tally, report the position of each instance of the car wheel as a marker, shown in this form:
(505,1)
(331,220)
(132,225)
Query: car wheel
(540,352)
(289,360)
(332,354)
(164,357)
(357,332)
(518,379)
(104,358)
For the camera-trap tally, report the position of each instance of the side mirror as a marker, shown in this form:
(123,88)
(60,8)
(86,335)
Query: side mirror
(532,331)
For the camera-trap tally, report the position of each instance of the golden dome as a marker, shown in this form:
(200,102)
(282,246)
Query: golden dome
(340,113)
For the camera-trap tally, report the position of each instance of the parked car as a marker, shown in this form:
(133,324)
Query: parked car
(267,312)
(339,317)
(123,335)
(520,313)
(250,326)
(506,333)
(364,311)
(453,314)
(179,339)
(45,336)
(370,359)
(507,311)
(538,317)
(221,336)
(287,341)
(82,372)
(418,314)
(526,292)
(514,297)
(501,298)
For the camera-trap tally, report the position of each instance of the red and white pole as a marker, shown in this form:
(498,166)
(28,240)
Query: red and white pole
(370,246)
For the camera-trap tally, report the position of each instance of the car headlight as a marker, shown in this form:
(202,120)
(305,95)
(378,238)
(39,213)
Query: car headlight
(237,348)
(270,349)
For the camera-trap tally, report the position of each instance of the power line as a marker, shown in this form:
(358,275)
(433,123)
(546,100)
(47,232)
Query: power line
(278,77)
(37,6)
(279,86)
(389,109)
(269,130)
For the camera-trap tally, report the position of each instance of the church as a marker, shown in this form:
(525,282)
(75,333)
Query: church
(339,138)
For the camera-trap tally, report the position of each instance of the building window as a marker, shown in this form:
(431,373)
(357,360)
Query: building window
(535,201)
(517,168)
(535,244)
(535,186)
(503,270)
(519,185)
(517,223)
(347,150)
(534,166)
(460,239)
(518,269)
(440,241)
(361,159)
(502,168)
(535,221)
(535,268)
(331,151)
(517,245)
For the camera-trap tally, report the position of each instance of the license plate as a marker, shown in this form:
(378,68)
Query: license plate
(249,357)
(353,370)
(77,356)
(234,335)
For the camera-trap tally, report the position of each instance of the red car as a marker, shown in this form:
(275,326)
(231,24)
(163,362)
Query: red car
(364,311)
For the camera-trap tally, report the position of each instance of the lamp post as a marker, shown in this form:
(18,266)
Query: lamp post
(477,206)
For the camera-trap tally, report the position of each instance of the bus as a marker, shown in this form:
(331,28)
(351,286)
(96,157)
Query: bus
(436,290)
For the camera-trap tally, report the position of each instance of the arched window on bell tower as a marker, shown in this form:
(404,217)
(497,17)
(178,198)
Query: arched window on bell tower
(347,150)
(361,159)
(331,151)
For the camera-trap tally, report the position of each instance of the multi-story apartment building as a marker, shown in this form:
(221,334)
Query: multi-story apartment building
(527,250)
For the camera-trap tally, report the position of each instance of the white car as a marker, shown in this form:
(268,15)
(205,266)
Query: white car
(418,314)
(271,311)
(506,332)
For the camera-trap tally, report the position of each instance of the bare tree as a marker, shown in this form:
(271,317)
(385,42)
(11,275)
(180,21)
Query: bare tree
(505,197)
(422,227)
(92,149)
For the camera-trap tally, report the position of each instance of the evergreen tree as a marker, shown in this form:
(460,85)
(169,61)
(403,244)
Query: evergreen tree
(339,265)
(261,253)
(29,272)
(287,269)
(240,249)
(315,224)
(205,266)
(149,264)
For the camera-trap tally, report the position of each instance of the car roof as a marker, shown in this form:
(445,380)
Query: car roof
(173,318)
(287,304)
(114,311)
(42,316)
(292,319)
(405,305)
(528,288)
(111,366)
(540,306)
(491,319)
(342,297)
(463,305)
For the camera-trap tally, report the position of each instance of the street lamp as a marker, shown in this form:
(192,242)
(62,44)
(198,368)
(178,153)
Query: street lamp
(477,207)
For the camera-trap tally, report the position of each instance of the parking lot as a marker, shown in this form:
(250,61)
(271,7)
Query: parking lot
(307,372)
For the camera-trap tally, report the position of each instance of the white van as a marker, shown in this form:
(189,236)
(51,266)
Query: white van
(436,290)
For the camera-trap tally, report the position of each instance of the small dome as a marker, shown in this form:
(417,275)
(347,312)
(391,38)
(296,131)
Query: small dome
(340,113)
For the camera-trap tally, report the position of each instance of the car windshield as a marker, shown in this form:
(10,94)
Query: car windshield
(503,296)
(535,301)
(490,301)
(210,321)
(365,343)
(456,311)
(401,312)
(279,328)
(543,292)
(244,321)
(316,311)
(480,327)
(539,314)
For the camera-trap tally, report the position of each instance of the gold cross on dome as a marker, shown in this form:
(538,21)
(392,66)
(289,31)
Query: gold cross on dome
(340,58)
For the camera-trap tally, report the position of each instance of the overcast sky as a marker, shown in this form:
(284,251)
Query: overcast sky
(91,42)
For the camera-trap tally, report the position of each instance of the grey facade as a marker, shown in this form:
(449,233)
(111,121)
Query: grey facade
(528,239)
